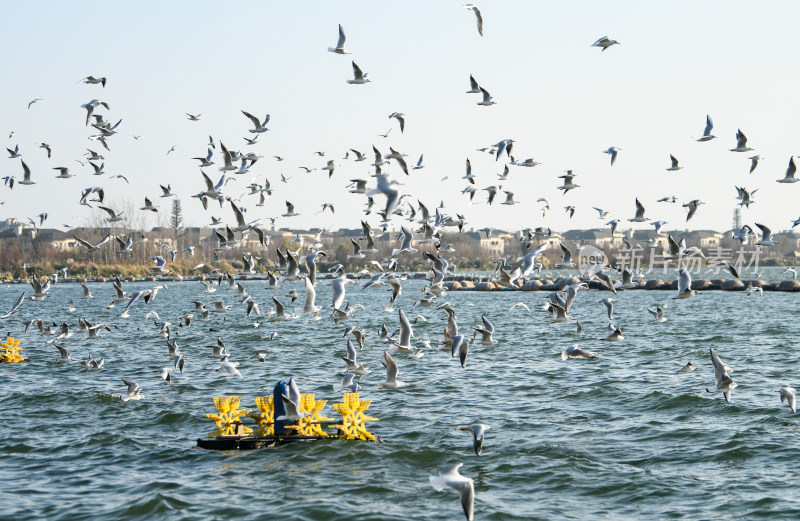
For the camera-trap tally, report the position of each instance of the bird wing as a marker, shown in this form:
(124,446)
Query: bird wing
(402,163)
(487,324)
(405,327)
(709,126)
(83,242)
(407,238)
(255,120)
(209,182)
(674,249)
(639,209)
(466,490)
(132,386)
(239,215)
(685,280)
(278,306)
(357,71)
(108,210)
(719,367)
(692,210)
(741,139)
(567,257)
(478,19)
(103,241)
(390,365)
(351,351)
(473,85)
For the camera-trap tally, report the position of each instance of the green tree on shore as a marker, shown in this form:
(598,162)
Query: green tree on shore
(176,217)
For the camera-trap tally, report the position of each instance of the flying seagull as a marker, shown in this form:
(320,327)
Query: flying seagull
(684,284)
(339,49)
(790,172)
(707,131)
(91,80)
(391,373)
(567,184)
(258,126)
(692,206)
(658,315)
(477,430)
(754,162)
(478,17)
(487,99)
(465,487)
(725,383)
(605,42)
(399,116)
(674,167)
(612,151)
(741,143)
(639,217)
(766,236)
(359,78)
(26,173)
(92,247)
(15,307)
(787,395)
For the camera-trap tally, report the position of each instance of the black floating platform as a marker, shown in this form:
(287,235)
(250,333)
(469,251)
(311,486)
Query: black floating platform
(252,442)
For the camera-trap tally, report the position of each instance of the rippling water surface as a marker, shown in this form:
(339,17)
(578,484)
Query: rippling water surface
(622,436)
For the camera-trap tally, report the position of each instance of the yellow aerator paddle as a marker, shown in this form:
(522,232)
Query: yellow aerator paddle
(353,417)
(9,351)
(228,417)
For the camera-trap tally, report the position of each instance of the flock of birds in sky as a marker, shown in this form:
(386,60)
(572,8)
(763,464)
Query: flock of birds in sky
(421,228)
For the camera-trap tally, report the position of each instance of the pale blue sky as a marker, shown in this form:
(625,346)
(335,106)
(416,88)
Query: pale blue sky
(561,100)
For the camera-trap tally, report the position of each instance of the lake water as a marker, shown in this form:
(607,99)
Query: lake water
(621,436)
